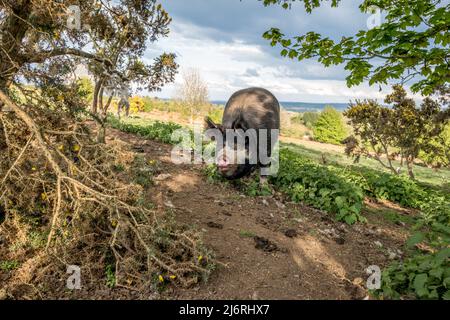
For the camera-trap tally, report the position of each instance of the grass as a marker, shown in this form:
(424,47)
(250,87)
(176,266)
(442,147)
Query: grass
(436,178)
(246,234)
(9,265)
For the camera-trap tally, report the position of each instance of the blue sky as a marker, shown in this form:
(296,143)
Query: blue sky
(223,40)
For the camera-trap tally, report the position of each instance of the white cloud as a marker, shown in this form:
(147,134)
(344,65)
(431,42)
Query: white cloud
(233,65)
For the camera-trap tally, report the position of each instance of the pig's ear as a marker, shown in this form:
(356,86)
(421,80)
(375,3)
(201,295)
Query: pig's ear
(209,124)
(239,123)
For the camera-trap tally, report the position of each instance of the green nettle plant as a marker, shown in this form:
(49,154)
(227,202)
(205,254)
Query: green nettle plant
(329,127)
(319,186)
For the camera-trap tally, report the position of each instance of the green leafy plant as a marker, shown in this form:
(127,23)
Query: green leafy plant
(110,276)
(318,186)
(9,265)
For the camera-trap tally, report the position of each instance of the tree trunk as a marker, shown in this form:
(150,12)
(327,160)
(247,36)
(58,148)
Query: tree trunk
(409,163)
(94,108)
(12,32)
(101,134)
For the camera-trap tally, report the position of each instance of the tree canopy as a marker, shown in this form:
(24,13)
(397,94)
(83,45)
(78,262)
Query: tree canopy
(399,130)
(43,42)
(410,44)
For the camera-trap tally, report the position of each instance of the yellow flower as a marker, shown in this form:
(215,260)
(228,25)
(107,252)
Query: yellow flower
(200,258)
(172,277)
(61,147)
(33,168)
(43,196)
(114,223)
(161,279)
(76,148)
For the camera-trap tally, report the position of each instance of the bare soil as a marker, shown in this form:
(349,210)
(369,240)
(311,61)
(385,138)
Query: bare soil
(267,247)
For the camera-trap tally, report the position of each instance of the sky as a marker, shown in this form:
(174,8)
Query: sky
(223,40)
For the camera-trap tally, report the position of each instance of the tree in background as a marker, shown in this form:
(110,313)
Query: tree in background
(193,92)
(411,43)
(398,131)
(330,127)
(310,118)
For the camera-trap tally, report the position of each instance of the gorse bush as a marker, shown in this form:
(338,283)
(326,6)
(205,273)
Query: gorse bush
(318,186)
(329,127)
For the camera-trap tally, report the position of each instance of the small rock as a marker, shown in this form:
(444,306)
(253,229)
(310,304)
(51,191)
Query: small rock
(224,212)
(162,177)
(291,233)
(378,244)
(212,224)
(265,202)
(264,244)
(400,223)
(169,204)
(280,205)
(219,202)
(391,254)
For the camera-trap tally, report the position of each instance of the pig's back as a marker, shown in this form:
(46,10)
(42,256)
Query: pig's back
(256,107)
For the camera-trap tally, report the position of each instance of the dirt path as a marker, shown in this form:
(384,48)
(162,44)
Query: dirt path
(309,256)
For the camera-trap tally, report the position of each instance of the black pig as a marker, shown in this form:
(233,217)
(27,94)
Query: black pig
(246,113)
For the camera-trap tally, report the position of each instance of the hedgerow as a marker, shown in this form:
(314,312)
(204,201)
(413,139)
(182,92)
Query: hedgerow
(160,131)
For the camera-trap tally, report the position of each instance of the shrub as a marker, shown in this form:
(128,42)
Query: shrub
(329,127)
(318,186)
(310,119)
(136,104)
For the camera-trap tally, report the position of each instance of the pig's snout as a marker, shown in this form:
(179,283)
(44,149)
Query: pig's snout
(222,163)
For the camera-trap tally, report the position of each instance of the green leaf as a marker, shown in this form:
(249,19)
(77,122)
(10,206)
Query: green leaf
(415,239)
(446,295)
(419,284)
